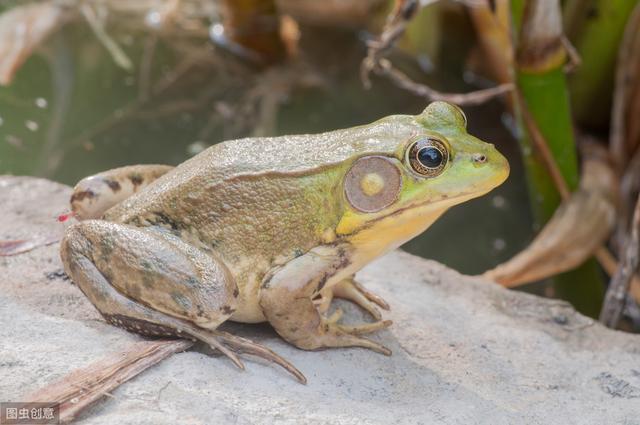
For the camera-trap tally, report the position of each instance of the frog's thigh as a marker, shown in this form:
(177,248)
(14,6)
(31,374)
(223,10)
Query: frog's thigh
(95,194)
(286,300)
(149,268)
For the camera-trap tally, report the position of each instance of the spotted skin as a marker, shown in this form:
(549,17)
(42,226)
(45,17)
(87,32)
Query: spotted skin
(94,195)
(142,327)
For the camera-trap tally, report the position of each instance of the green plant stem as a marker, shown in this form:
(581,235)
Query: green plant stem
(595,29)
(542,84)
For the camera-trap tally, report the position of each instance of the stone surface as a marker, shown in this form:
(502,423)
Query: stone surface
(465,351)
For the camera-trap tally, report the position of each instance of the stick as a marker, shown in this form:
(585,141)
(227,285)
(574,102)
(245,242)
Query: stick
(375,61)
(619,286)
(82,387)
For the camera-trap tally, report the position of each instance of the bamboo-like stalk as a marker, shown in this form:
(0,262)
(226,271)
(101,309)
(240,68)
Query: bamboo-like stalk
(544,107)
(595,27)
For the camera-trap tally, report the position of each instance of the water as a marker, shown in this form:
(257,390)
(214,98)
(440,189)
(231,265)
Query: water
(72,112)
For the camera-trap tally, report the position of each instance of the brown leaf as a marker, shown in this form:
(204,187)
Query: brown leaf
(577,229)
(22,29)
(82,387)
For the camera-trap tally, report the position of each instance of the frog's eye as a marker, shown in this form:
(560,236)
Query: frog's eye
(427,157)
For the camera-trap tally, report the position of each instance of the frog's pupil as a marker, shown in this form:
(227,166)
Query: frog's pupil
(430,157)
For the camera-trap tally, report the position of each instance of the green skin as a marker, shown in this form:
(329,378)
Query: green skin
(263,229)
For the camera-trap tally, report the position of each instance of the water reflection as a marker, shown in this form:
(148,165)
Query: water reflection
(72,111)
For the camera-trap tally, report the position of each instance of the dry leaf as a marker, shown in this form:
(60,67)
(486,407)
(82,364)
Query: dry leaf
(22,29)
(84,386)
(577,229)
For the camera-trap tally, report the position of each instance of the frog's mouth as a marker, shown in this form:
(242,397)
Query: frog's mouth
(418,216)
(439,206)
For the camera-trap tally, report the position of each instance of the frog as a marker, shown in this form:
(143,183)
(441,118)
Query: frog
(270,229)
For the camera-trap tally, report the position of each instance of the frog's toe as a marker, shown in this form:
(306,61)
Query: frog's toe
(366,328)
(351,290)
(213,342)
(243,345)
(348,336)
(358,329)
(231,345)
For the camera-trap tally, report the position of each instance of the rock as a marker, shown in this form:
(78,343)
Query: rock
(465,351)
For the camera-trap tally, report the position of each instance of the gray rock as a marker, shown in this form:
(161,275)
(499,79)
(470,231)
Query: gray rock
(466,351)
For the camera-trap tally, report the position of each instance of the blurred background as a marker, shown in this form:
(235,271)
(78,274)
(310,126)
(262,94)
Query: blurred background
(96,84)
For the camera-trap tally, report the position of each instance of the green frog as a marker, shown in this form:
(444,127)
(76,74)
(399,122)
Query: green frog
(270,229)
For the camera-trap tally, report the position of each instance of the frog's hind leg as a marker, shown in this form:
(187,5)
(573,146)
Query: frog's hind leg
(95,194)
(156,285)
(349,289)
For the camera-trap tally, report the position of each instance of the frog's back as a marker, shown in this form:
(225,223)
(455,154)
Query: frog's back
(296,153)
(253,157)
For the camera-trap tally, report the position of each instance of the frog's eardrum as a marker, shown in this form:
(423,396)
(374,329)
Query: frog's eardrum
(372,183)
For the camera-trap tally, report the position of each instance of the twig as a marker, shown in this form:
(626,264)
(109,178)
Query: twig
(610,265)
(146,62)
(395,26)
(472,98)
(375,62)
(574,57)
(619,286)
(629,187)
(20,246)
(80,388)
(97,25)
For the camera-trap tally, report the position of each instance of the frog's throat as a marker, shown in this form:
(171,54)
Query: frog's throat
(415,217)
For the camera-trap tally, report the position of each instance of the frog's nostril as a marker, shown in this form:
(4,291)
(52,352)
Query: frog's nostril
(479,158)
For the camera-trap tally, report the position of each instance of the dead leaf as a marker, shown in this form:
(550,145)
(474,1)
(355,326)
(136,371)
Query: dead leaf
(22,29)
(82,387)
(577,229)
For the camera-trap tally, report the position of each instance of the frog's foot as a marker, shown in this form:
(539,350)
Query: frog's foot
(285,298)
(333,334)
(353,291)
(231,345)
(243,345)
(357,329)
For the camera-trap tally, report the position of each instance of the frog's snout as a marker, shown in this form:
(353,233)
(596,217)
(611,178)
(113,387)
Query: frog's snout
(491,161)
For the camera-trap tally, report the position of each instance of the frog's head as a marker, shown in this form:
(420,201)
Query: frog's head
(431,165)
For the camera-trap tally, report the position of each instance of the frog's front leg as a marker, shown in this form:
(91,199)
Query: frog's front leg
(286,298)
(351,290)
(155,284)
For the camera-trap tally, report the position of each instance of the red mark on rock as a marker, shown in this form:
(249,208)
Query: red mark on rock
(64,217)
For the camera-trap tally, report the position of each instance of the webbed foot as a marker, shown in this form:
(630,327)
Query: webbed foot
(231,345)
(351,290)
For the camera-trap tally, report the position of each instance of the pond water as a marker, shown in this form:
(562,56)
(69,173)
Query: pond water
(71,112)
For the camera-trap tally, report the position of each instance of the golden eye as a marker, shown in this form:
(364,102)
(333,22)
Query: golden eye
(427,157)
